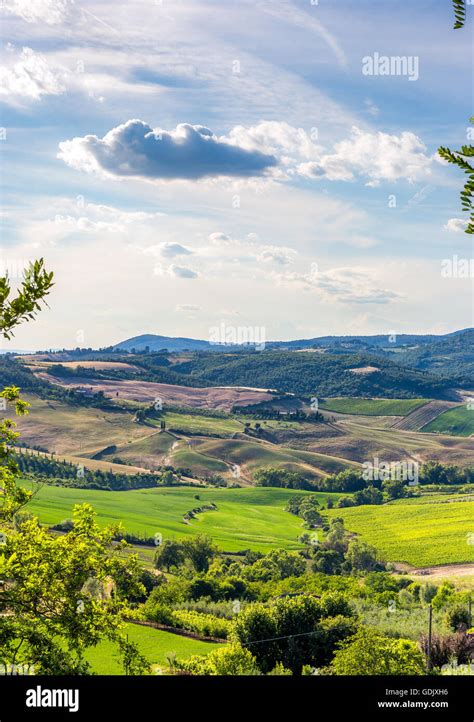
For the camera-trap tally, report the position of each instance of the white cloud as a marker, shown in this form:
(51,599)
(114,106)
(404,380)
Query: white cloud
(290,14)
(52,12)
(377,156)
(220,239)
(30,76)
(279,139)
(170,250)
(271,149)
(176,271)
(456,225)
(343,285)
(190,152)
(92,217)
(277,254)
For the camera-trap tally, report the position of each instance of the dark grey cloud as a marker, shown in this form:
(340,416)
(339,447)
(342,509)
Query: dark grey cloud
(189,152)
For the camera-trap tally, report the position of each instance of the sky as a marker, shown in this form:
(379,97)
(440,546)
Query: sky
(183,164)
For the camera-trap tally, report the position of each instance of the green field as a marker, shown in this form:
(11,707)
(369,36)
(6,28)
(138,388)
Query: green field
(215,426)
(458,422)
(246,518)
(153,643)
(419,532)
(372,407)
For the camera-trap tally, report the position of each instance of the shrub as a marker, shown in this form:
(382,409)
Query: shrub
(206,624)
(231,660)
(458,618)
(445,648)
(370,653)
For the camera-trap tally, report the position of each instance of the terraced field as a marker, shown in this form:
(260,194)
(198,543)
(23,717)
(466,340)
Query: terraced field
(422,416)
(458,422)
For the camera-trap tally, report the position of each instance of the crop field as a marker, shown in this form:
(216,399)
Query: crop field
(372,407)
(97,365)
(419,532)
(246,518)
(76,430)
(212,397)
(421,417)
(360,442)
(458,422)
(154,644)
(214,426)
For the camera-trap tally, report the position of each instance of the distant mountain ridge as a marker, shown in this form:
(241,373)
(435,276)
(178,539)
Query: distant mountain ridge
(171,344)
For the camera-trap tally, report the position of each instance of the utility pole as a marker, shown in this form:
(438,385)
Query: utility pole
(126,660)
(430,632)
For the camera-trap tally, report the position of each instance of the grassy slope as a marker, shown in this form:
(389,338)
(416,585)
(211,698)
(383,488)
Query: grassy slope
(418,532)
(373,407)
(153,643)
(196,424)
(251,518)
(253,455)
(458,422)
(76,430)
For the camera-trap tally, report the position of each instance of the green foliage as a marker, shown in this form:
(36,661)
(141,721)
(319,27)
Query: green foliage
(307,508)
(433,472)
(458,617)
(169,554)
(206,624)
(65,473)
(278,564)
(200,550)
(296,373)
(459,13)
(290,630)
(12,497)
(362,556)
(231,660)
(36,285)
(371,653)
(280,478)
(460,157)
(445,595)
(51,612)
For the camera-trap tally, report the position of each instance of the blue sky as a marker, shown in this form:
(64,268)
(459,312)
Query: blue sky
(182,164)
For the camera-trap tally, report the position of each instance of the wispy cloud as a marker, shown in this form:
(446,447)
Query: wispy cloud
(289,13)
